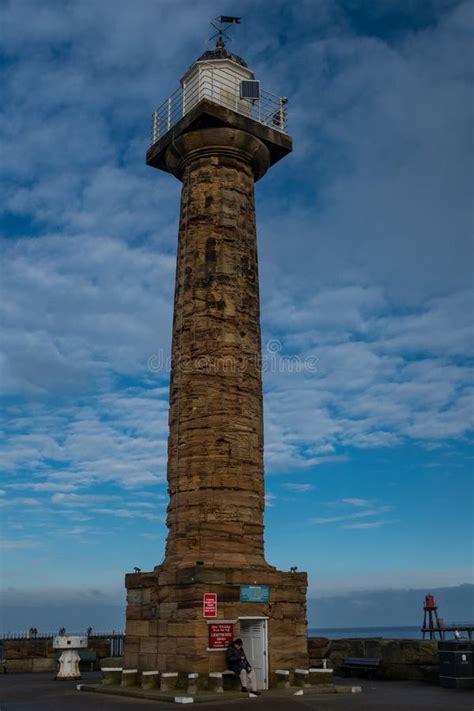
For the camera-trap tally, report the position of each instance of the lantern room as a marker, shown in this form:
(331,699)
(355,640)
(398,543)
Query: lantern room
(222,77)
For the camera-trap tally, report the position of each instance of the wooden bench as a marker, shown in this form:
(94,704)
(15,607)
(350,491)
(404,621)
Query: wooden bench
(361,665)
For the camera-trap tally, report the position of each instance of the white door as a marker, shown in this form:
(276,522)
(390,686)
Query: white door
(254,638)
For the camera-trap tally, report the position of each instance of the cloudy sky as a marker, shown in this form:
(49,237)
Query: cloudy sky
(366,276)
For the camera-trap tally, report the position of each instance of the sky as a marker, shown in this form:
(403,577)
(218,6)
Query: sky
(365,259)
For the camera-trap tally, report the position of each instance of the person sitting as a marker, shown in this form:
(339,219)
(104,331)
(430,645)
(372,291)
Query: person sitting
(238,663)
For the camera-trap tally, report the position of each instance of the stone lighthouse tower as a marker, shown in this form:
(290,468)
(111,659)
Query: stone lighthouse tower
(218,134)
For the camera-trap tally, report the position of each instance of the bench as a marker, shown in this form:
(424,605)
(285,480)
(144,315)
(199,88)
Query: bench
(361,665)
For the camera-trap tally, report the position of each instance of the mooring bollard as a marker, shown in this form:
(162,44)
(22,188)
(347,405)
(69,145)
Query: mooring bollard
(282,678)
(215,682)
(168,681)
(111,676)
(129,677)
(320,676)
(192,684)
(301,677)
(69,659)
(150,679)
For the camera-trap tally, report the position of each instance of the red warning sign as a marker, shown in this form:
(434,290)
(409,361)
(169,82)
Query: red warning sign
(220,634)
(209,605)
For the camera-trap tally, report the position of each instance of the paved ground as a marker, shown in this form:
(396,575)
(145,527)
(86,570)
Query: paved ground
(39,692)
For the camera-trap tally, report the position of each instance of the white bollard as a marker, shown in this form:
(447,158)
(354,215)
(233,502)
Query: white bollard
(69,659)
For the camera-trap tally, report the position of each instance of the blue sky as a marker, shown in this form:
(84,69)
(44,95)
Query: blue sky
(366,275)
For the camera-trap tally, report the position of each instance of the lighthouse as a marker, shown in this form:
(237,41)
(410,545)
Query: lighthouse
(218,134)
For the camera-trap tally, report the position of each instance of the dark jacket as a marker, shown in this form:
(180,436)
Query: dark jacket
(236,659)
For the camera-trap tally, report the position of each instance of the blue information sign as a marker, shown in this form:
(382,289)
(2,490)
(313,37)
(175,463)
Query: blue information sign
(254,593)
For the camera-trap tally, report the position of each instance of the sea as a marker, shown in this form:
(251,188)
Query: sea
(359,632)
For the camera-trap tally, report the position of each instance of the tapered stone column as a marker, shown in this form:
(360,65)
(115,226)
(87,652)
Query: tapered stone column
(215,452)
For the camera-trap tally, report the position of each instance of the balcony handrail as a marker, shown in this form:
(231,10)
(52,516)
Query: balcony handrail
(222,88)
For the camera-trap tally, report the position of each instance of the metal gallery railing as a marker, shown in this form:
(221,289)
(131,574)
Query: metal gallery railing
(35,634)
(223,88)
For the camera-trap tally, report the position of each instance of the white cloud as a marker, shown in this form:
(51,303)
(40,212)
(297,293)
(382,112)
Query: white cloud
(80,499)
(127,513)
(20,501)
(366,513)
(356,502)
(369,524)
(15,545)
(300,488)
(270,499)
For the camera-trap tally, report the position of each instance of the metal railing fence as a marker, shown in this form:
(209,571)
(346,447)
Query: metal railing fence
(50,635)
(223,88)
(115,638)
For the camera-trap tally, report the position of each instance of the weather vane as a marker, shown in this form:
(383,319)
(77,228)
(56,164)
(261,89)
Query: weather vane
(225,22)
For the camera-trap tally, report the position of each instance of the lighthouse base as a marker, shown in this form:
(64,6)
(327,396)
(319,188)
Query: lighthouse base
(167,631)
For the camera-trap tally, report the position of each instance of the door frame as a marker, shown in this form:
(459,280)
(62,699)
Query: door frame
(265,642)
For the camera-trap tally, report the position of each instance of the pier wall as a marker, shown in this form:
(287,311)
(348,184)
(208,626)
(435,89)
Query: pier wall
(400,659)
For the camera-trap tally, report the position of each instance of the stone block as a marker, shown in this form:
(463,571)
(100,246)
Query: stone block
(191,628)
(131,660)
(190,645)
(301,677)
(282,678)
(113,662)
(217,662)
(147,661)
(192,685)
(215,683)
(320,676)
(137,628)
(167,645)
(129,677)
(168,681)
(43,664)
(111,676)
(134,597)
(148,645)
(134,611)
(19,665)
(140,580)
(167,610)
(158,628)
(167,577)
(150,679)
